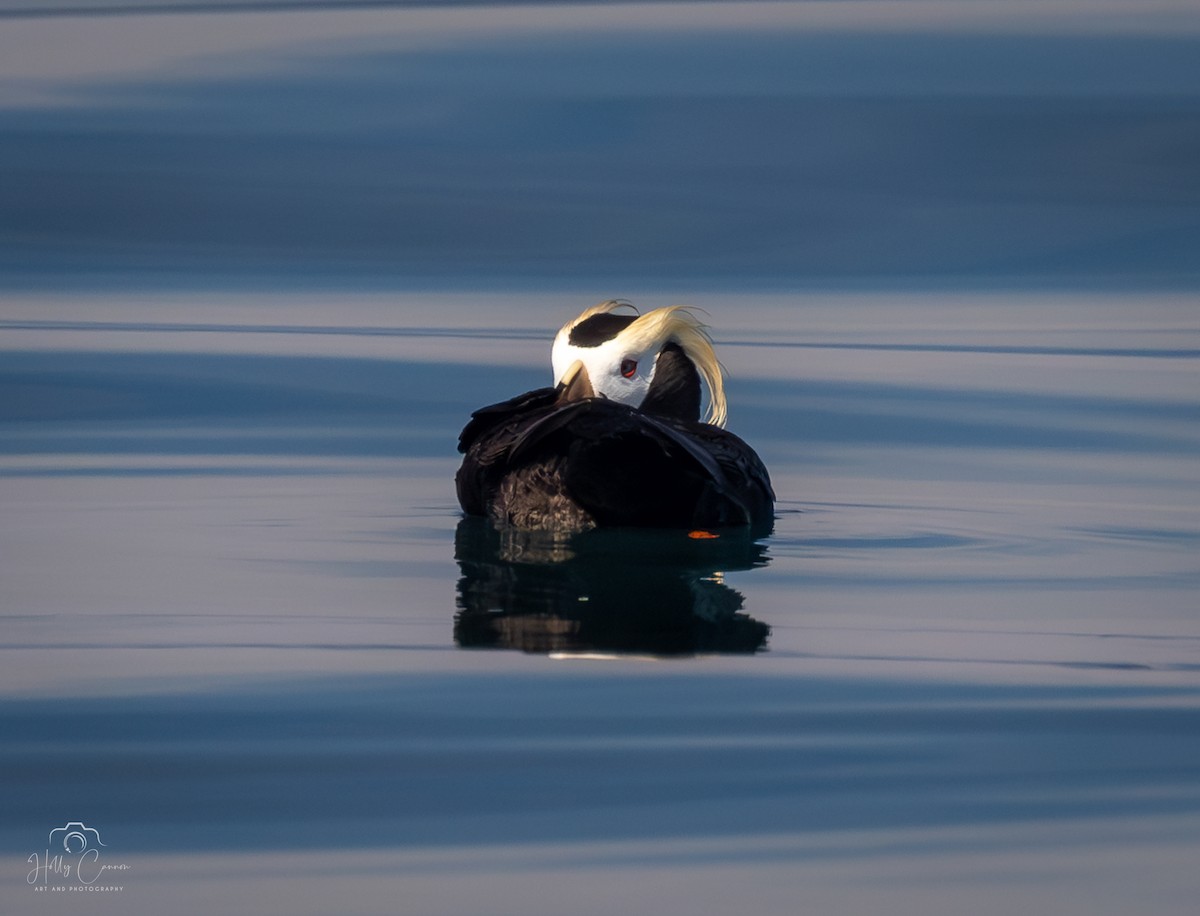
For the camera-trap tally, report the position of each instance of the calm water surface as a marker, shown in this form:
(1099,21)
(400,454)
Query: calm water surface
(248,643)
(249,639)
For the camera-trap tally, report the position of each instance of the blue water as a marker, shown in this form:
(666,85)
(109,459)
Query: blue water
(257,269)
(249,638)
(618,144)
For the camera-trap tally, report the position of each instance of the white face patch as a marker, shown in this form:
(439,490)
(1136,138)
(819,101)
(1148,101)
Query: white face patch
(622,367)
(608,367)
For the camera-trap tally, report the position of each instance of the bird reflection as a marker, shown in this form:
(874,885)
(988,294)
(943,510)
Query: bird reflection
(635,591)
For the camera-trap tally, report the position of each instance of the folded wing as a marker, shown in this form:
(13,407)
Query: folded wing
(536,462)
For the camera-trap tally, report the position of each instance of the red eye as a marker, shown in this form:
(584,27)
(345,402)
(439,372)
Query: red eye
(628,367)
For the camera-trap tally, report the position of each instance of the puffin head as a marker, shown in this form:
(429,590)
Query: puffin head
(654,362)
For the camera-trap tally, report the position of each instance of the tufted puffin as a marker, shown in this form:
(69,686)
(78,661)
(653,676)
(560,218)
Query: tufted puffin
(618,440)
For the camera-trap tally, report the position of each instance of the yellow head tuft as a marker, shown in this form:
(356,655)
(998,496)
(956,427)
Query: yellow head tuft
(639,337)
(679,325)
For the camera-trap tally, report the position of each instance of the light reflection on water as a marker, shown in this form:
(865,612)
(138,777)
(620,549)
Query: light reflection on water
(752,144)
(616,591)
(234,584)
(236,589)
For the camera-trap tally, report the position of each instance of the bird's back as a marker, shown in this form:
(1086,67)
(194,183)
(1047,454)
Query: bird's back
(536,463)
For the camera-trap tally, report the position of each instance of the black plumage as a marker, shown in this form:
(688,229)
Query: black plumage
(534,462)
(563,458)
